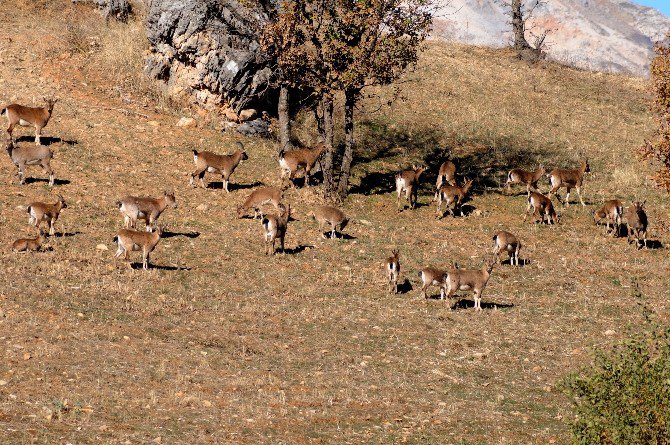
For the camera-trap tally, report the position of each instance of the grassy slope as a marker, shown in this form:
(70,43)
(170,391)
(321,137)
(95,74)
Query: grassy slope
(308,347)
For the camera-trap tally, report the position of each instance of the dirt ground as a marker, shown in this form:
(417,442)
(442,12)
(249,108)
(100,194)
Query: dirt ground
(218,343)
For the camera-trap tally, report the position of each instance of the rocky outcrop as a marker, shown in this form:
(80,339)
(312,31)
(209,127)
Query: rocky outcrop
(209,51)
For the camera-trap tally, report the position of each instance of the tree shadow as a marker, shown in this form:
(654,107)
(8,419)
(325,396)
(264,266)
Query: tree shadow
(46,180)
(46,140)
(169,234)
(475,158)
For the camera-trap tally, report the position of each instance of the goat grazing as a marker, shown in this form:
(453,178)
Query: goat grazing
(49,213)
(132,240)
(32,155)
(568,178)
(521,176)
(452,195)
(300,158)
(433,277)
(259,197)
(447,173)
(274,227)
(636,221)
(392,266)
(474,280)
(329,215)
(408,181)
(149,209)
(206,161)
(542,207)
(611,212)
(29,116)
(506,242)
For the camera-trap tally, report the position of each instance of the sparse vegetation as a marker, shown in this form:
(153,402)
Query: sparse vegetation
(624,396)
(218,342)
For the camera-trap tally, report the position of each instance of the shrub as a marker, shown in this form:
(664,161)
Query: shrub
(658,148)
(624,398)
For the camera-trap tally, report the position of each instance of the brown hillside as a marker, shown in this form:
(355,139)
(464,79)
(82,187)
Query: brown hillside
(220,344)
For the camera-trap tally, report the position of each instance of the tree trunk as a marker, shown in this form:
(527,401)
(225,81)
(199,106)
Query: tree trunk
(519,26)
(284,119)
(350,96)
(328,164)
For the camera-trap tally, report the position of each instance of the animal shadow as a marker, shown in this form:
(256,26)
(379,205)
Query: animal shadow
(138,266)
(522,262)
(297,249)
(56,181)
(405,287)
(338,235)
(232,186)
(168,234)
(46,140)
(469,304)
(66,234)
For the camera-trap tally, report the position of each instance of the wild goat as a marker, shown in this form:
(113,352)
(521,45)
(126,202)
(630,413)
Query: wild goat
(452,195)
(149,209)
(542,207)
(132,240)
(29,116)
(332,216)
(28,244)
(611,212)
(31,155)
(49,213)
(506,242)
(274,227)
(300,158)
(259,197)
(568,178)
(408,181)
(474,280)
(447,173)
(392,266)
(433,277)
(636,221)
(206,161)
(521,176)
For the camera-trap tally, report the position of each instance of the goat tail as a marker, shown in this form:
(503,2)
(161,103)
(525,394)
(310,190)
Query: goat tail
(119,204)
(4,110)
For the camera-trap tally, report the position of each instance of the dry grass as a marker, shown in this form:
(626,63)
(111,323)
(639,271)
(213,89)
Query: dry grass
(224,345)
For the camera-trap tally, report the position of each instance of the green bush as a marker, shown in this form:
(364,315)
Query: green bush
(624,398)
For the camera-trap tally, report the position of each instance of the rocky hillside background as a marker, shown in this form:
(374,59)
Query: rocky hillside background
(599,35)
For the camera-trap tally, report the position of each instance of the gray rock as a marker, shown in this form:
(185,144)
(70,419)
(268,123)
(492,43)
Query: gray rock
(209,51)
(256,127)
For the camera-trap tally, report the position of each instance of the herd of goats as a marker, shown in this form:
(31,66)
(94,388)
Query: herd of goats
(303,160)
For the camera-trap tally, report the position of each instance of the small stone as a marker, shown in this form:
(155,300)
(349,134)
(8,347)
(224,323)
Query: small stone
(207,403)
(610,332)
(3,382)
(101,247)
(202,207)
(246,115)
(365,222)
(186,122)
(27,356)
(154,123)
(477,212)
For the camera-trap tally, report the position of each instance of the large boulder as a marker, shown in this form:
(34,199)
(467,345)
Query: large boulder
(208,51)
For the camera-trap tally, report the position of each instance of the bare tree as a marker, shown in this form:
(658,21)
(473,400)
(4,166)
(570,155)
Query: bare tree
(520,12)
